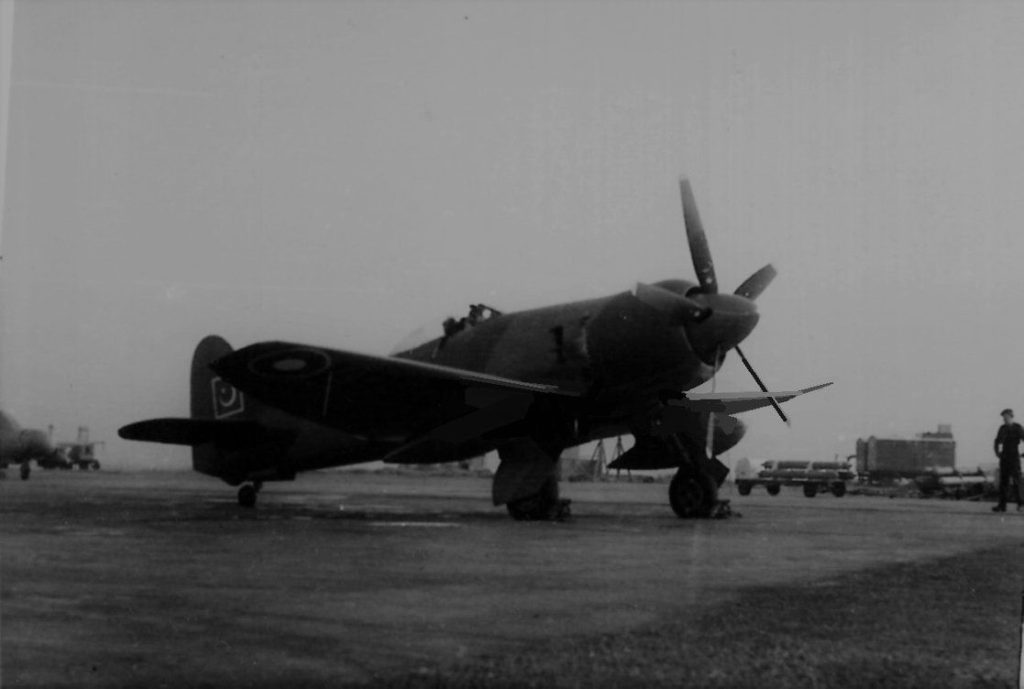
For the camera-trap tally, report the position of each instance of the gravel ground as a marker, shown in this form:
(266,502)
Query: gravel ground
(158,579)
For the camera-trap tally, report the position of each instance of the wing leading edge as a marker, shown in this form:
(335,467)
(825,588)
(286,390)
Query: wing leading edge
(735,402)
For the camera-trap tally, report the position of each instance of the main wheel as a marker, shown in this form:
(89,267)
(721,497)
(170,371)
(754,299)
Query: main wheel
(810,489)
(26,471)
(743,488)
(773,488)
(692,495)
(839,489)
(545,505)
(247,496)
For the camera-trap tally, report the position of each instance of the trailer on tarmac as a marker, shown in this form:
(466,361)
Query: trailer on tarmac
(944,482)
(813,477)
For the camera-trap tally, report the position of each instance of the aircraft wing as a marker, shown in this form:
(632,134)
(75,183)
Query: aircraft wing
(735,402)
(384,398)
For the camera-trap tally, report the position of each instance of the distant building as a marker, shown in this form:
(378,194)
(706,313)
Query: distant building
(889,458)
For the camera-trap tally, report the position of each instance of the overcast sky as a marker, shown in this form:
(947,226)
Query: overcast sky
(341,173)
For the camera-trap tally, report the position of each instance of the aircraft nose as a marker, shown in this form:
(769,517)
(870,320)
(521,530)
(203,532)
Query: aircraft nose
(732,318)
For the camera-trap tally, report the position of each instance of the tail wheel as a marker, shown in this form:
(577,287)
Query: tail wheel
(26,470)
(692,495)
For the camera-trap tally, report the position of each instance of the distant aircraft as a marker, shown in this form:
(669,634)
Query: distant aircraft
(527,384)
(22,445)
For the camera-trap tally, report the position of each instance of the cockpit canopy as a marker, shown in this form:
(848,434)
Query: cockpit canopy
(478,313)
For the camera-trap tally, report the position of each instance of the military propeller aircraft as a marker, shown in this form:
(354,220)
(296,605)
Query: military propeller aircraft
(22,445)
(527,384)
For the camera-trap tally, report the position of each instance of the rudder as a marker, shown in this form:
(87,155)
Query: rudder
(213,399)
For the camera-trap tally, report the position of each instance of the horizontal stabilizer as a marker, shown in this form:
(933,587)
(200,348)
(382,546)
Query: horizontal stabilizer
(223,433)
(735,402)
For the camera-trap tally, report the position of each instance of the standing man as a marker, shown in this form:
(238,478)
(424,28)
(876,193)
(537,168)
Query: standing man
(1009,436)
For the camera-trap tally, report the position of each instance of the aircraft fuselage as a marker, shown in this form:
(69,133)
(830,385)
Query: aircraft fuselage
(616,351)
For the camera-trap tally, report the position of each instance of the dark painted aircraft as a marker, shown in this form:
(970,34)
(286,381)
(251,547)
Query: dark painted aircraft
(22,445)
(527,384)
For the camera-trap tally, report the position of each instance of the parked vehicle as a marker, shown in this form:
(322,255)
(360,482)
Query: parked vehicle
(950,483)
(73,455)
(812,477)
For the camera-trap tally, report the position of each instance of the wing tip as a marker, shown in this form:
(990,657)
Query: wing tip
(816,387)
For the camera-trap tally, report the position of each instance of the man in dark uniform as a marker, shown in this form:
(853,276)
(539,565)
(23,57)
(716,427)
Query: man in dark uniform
(1009,436)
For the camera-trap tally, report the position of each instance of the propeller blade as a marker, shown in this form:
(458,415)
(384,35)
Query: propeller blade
(684,309)
(756,283)
(697,240)
(757,379)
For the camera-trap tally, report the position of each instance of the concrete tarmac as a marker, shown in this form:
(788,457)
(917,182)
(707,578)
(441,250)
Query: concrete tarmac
(160,579)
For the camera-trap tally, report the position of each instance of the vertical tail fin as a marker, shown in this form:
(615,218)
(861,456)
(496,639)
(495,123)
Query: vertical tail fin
(212,399)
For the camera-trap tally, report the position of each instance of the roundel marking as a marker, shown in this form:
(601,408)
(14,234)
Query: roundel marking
(300,363)
(290,365)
